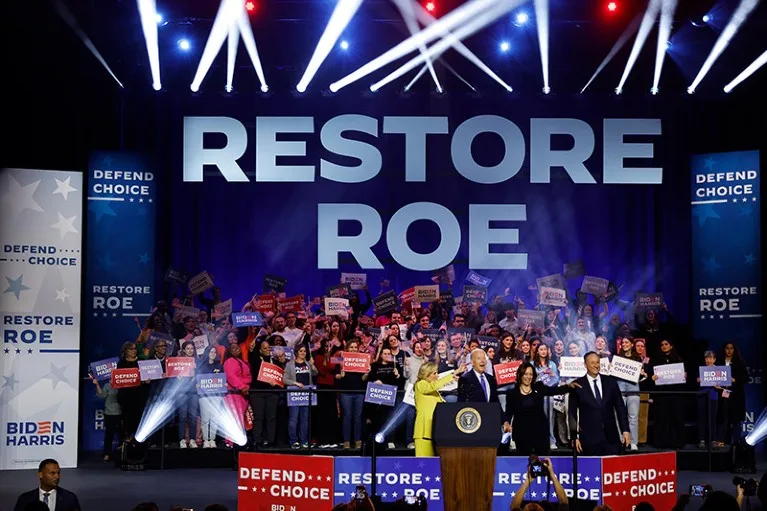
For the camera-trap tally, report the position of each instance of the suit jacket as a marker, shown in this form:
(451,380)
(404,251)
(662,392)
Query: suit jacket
(597,422)
(65,500)
(470,389)
(426,398)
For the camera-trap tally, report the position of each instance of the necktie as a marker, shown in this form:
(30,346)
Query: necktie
(45,498)
(597,393)
(484,386)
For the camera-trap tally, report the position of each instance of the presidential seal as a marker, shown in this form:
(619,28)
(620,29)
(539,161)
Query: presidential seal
(468,420)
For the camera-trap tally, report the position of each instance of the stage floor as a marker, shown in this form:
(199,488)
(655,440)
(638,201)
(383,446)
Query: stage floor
(101,486)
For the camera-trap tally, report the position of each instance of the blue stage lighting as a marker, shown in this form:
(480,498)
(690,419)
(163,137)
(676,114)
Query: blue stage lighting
(159,18)
(379,438)
(504,46)
(522,18)
(344,45)
(184,44)
(706,18)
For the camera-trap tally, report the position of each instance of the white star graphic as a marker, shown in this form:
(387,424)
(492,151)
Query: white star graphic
(114,314)
(513,493)
(20,197)
(64,225)
(744,199)
(104,314)
(352,494)
(63,188)
(61,294)
(319,477)
(596,479)
(753,199)
(150,200)
(255,489)
(438,479)
(327,478)
(141,199)
(624,493)
(95,314)
(311,477)
(734,200)
(384,494)
(534,494)
(587,478)
(711,316)
(427,479)
(131,199)
(721,316)
(543,494)
(672,472)
(702,316)
(394,494)
(263,490)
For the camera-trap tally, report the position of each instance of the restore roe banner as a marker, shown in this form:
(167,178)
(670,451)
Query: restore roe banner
(727,262)
(120,275)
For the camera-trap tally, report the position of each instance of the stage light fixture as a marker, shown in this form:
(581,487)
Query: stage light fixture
(739,17)
(504,46)
(751,69)
(184,44)
(250,6)
(654,91)
(706,18)
(159,18)
(430,6)
(612,6)
(379,438)
(228,88)
(546,90)
(344,45)
(521,18)
(618,91)
(264,88)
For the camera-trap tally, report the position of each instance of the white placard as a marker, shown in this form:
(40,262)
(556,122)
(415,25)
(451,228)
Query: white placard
(553,296)
(450,386)
(355,280)
(200,283)
(626,369)
(409,394)
(41,244)
(336,306)
(571,367)
(604,366)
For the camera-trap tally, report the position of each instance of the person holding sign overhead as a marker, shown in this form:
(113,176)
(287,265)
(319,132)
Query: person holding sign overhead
(525,416)
(426,398)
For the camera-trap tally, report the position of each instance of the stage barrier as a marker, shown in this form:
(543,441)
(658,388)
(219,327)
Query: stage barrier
(317,483)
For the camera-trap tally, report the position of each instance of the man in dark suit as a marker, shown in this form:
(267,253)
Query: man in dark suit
(49,492)
(593,408)
(477,386)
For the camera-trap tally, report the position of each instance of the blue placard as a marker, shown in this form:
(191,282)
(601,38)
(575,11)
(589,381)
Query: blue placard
(479,280)
(301,398)
(102,369)
(150,369)
(669,374)
(510,472)
(711,376)
(247,319)
(211,384)
(395,478)
(381,394)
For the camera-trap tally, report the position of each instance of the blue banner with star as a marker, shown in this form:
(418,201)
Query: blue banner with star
(120,274)
(727,263)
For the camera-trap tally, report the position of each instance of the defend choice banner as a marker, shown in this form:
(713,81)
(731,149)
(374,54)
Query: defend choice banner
(726,260)
(121,200)
(40,266)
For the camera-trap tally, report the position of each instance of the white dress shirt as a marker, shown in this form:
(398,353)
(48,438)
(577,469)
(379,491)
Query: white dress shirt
(598,381)
(51,498)
(486,389)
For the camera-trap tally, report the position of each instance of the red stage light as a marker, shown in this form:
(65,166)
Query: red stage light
(612,6)
(250,6)
(430,6)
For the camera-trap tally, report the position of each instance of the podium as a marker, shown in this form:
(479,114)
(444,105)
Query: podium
(466,437)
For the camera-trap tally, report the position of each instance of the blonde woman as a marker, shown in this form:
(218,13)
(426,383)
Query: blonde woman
(426,398)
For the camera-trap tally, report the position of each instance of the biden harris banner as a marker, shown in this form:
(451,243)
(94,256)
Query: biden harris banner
(726,260)
(41,240)
(121,193)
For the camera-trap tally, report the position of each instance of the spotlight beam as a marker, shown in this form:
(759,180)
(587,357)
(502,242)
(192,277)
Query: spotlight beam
(233,39)
(148,11)
(648,20)
(475,9)
(70,20)
(466,30)
(751,69)
(250,45)
(342,14)
(408,14)
(228,11)
(448,67)
(542,23)
(416,77)
(664,32)
(425,17)
(738,18)
(622,40)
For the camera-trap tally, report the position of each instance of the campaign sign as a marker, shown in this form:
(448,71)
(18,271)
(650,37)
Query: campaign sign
(154,337)
(177,276)
(669,374)
(554,281)
(385,303)
(336,306)
(426,293)
(511,471)
(339,291)
(626,369)
(488,341)
(629,480)
(506,373)
(711,376)
(645,301)
(571,367)
(604,366)
(150,369)
(594,285)
(180,366)
(200,283)
(395,478)
(247,319)
(552,296)
(270,373)
(301,398)
(531,317)
(433,334)
(200,343)
(292,304)
(265,304)
(274,283)
(211,384)
(474,294)
(381,394)
(356,362)
(102,370)
(354,280)
(223,309)
(125,378)
(574,269)
(477,279)
(272,482)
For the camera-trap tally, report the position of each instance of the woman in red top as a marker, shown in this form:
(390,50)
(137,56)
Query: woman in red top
(325,419)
